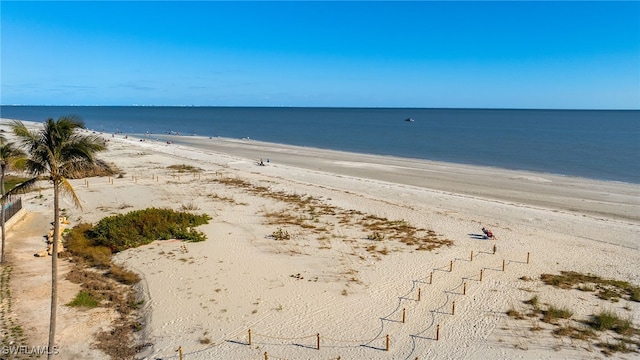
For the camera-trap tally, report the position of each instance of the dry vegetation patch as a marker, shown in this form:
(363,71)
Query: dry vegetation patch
(316,216)
(594,329)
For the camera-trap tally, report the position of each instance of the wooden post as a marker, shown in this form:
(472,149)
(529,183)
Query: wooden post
(249,337)
(527,258)
(438,332)
(480,274)
(387,344)
(266,356)
(464,289)
(471,255)
(502,264)
(180,352)
(494,249)
(404,315)
(453,308)
(419,291)
(431,278)
(318,345)
(451,266)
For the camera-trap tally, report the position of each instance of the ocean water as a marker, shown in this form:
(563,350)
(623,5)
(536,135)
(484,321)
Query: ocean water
(597,144)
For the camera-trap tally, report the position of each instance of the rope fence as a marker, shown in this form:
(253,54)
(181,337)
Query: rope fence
(251,336)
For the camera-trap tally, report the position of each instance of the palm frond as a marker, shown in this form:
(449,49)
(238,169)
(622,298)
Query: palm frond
(67,189)
(23,187)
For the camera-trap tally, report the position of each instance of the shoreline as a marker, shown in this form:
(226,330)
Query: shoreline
(204,297)
(472,180)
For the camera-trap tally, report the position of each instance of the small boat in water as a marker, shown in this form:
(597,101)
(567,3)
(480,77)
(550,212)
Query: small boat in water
(408,119)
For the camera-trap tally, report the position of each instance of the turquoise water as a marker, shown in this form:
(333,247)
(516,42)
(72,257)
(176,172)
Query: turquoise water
(598,144)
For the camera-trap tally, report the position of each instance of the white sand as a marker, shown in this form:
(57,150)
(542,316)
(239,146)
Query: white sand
(206,298)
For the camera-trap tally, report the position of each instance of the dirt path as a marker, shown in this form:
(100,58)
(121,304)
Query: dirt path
(30,285)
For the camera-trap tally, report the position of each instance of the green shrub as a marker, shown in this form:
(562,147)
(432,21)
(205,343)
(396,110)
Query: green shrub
(83,299)
(121,232)
(78,244)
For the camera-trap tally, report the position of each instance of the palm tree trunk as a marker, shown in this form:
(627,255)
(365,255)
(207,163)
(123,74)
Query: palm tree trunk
(2,215)
(54,269)
(2,257)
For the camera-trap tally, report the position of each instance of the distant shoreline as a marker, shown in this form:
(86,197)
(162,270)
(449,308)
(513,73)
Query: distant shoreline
(562,192)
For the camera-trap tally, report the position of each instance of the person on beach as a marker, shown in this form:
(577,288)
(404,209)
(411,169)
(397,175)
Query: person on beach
(487,233)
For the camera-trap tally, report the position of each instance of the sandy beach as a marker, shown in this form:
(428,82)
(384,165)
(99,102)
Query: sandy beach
(331,290)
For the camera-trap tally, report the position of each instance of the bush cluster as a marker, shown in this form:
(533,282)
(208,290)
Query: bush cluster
(121,232)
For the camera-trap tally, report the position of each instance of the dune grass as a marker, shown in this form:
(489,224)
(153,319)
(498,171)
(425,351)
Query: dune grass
(606,289)
(594,328)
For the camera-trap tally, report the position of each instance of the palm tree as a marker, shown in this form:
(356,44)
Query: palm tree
(9,157)
(56,151)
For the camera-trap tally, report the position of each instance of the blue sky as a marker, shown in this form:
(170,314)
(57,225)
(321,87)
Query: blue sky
(573,55)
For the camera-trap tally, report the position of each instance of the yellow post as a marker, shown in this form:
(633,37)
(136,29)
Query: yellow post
(480,274)
(180,352)
(249,337)
(266,356)
(431,278)
(502,264)
(404,314)
(451,266)
(464,289)
(387,345)
(318,345)
(438,332)
(527,258)
(471,255)
(419,291)
(453,308)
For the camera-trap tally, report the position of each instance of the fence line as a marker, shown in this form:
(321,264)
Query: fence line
(447,292)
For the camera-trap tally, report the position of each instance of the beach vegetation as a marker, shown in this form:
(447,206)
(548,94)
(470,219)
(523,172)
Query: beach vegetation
(578,333)
(191,206)
(183,168)
(591,329)
(609,348)
(140,227)
(280,234)
(606,289)
(534,301)
(83,299)
(553,314)
(57,152)
(11,181)
(515,314)
(607,320)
